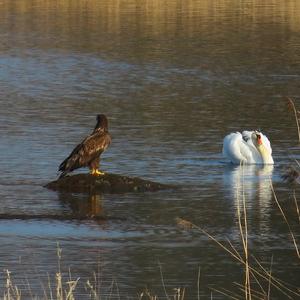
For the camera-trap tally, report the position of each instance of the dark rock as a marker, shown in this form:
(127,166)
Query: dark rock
(108,183)
(291,175)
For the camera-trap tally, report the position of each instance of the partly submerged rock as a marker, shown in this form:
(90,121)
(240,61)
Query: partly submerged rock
(291,175)
(108,183)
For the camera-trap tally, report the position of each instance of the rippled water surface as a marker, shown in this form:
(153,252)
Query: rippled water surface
(173,77)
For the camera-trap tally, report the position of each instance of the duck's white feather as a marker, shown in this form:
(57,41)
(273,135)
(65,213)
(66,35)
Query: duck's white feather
(239,148)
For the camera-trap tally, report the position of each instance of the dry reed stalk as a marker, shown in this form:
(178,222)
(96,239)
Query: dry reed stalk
(95,289)
(292,106)
(112,288)
(179,294)
(93,292)
(50,288)
(43,287)
(97,283)
(242,289)
(285,219)
(297,207)
(162,280)
(226,293)
(98,280)
(255,293)
(265,275)
(181,221)
(278,282)
(59,289)
(257,282)
(58,277)
(147,294)
(198,283)
(244,236)
(269,285)
(72,285)
(118,292)
(12,292)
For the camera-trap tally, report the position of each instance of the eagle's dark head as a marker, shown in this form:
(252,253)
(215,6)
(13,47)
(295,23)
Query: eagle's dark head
(102,122)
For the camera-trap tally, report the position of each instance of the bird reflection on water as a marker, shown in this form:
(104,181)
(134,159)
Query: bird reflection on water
(81,206)
(251,182)
(84,206)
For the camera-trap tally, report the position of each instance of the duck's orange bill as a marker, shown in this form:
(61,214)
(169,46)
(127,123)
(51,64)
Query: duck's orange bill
(259,141)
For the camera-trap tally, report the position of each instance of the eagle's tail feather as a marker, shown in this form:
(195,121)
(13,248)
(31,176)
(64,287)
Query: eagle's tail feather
(63,174)
(68,165)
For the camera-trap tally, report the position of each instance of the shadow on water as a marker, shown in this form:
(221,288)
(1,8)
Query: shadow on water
(82,207)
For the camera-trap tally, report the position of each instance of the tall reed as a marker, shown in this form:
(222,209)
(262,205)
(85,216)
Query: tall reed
(286,220)
(291,106)
(254,272)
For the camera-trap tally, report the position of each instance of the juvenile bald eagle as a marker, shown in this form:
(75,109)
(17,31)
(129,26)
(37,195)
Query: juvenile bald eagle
(87,153)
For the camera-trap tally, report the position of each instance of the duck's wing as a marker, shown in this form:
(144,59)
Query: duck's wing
(246,134)
(237,148)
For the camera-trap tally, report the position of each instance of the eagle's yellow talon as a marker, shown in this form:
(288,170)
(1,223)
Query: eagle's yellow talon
(97,172)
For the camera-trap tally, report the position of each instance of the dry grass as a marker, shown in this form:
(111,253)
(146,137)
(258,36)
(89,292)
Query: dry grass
(11,291)
(64,289)
(292,107)
(286,220)
(243,227)
(258,281)
(254,272)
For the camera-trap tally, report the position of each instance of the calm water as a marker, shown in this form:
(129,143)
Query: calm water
(173,77)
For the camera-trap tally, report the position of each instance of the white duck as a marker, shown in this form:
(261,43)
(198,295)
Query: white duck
(250,147)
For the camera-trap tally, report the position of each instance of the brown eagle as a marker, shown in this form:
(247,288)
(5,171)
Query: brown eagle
(87,153)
